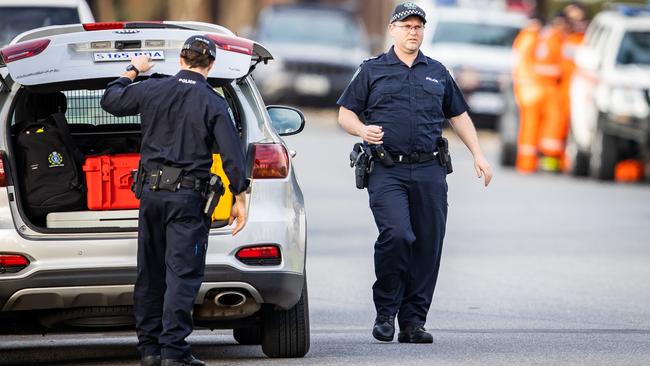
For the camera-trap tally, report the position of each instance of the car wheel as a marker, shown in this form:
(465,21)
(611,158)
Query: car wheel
(603,156)
(508,154)
(286,332)
(248,335)
(577,159)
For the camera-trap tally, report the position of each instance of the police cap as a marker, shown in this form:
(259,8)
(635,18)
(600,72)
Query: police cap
(403,11)
(212,48)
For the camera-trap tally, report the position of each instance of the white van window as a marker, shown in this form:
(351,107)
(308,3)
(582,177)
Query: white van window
(635,49)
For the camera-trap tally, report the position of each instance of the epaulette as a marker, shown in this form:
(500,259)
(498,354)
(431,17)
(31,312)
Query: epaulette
(372,58)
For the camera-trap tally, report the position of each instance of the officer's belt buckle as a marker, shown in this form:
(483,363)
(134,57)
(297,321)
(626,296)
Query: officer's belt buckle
(414,157)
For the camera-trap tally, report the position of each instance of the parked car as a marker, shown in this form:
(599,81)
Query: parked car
(476,46)
(78,268)
(318,48)
(610,100)
(18,16)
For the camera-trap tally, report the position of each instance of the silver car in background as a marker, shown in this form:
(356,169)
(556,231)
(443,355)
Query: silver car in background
(81,274)
(18,16)
(317,49)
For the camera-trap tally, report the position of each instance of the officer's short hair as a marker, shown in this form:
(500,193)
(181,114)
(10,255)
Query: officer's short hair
(194,59)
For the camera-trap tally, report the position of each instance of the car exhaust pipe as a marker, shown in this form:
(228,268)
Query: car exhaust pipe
(230,299)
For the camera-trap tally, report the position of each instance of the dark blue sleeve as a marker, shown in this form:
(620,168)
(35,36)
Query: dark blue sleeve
(453,103)
(230,148)
(355,96)
(122,98)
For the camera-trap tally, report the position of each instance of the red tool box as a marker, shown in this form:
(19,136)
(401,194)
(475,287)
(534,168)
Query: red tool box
(108,178)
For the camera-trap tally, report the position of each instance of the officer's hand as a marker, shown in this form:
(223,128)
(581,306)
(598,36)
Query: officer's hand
(483,169)
(372,134)
(142,63)
(238,213)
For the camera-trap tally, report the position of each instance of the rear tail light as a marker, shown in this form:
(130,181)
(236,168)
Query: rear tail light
(103,26)
(266,255)
(122,25)
(232,44)
(270,161)
(3,174)
(23,50)
(12,263)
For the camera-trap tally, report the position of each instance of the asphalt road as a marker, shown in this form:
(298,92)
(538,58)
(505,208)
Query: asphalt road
(540,269)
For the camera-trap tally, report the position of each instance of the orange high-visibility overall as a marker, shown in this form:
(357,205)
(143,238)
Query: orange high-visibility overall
(528,96)
(571,43)
(548,67)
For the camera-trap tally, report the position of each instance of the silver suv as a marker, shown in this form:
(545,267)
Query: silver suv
(77,269)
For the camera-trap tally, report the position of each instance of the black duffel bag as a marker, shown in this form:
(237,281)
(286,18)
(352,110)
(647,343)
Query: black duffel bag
(49,166)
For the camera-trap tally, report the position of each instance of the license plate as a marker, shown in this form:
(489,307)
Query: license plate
(126,55)
(312,85)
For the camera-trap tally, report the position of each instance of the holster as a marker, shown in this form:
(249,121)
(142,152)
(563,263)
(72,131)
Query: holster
(362,162)
(444,158)
(138,180)
(215,190)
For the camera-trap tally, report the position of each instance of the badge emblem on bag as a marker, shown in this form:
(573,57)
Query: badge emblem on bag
(55,159)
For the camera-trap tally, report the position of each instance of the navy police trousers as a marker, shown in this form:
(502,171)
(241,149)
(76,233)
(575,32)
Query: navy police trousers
(172,241)
(409,203)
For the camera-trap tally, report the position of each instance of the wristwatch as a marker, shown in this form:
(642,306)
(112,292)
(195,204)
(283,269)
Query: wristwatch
(133,68)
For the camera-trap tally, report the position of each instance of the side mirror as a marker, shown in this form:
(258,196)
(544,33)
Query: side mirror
(286,120)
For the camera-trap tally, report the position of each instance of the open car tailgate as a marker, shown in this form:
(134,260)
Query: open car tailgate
(102,50)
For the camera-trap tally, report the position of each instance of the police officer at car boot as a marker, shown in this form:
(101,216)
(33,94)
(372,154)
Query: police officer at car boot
(398,102)
(182,118)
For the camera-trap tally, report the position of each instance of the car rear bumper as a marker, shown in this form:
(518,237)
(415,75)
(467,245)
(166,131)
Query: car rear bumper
(114,287)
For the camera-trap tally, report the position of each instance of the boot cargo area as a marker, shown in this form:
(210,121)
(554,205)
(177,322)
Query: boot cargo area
(110,147)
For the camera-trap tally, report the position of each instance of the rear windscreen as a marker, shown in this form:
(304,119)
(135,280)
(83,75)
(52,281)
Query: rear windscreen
(16,20)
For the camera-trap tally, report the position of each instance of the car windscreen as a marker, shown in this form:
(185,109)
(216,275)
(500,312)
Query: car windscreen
(475,33)
(16,20)
(310,27)
(634,49)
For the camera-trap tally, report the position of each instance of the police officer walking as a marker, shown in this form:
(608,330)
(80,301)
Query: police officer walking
(182,118)
(398,101)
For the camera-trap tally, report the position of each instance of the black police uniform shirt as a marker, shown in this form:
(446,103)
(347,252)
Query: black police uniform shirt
(410,104)
(182,118)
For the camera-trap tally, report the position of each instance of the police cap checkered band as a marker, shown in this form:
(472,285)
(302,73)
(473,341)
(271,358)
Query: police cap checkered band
(212,48)
(403,11)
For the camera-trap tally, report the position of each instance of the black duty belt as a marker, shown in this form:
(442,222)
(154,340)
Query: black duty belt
(414,157)
(188,181)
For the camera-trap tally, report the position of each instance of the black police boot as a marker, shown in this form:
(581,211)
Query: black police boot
(150,360)
(384,329)
(188,361)
(415,334)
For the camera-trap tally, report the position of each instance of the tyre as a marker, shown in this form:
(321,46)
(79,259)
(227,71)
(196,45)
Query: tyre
(577,159)
(508,155)
(285,333)
(248,335)
(603,156)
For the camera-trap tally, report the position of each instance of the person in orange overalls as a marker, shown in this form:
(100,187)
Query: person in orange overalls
(548,67)
(528,94)
(576,15)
